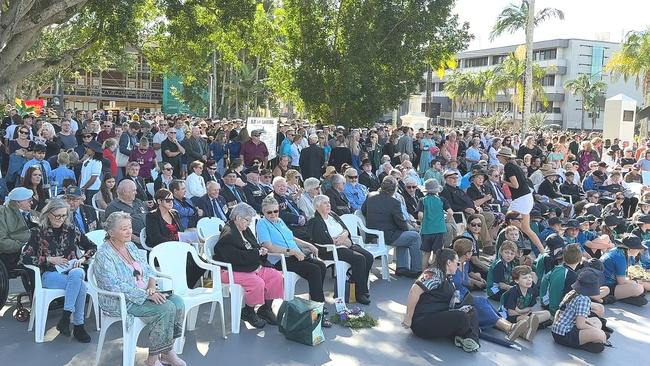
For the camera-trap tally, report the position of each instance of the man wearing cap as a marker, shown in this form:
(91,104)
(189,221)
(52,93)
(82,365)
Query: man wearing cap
(554,227)
(39,160)
(367,178)
(210,173)
(230,191)
(383,212)
(172,150)
(252,189)
(16,220)
(459,201)
(212,203)
(254,149)
(83,217)
(312,159)
(522,197)
(570,188)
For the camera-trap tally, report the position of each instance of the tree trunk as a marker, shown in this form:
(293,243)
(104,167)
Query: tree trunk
(427,106)
(582,110)
(453,108)
(528,85)
(223,85)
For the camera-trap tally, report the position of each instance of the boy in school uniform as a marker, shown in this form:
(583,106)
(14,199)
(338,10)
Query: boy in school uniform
(546,261)
(519,300)
(499,277)
(431,213)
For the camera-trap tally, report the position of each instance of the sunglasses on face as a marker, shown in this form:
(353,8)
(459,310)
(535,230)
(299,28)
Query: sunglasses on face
(475,224)
(353,176)
(271,212)
(411,187)
(168,168)
(168,200)
(212,168)
(23,132)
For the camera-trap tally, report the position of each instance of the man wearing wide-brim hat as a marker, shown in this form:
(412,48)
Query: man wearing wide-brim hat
(549,188)
(616,263)
(16,219)
(522,197)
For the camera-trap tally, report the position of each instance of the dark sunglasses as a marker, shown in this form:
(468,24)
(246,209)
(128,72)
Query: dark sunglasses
(88,136)
(411,187)
(212,168)
(24,132)
(168,200)
(271,212)
(168,168)
(352,176)
(475,224)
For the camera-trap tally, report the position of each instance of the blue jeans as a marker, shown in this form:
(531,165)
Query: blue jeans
(408,245)
(75,291)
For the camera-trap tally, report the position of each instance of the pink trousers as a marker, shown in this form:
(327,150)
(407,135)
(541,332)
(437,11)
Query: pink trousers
(262,284)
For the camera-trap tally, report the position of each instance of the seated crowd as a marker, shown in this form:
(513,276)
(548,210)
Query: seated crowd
(547,230)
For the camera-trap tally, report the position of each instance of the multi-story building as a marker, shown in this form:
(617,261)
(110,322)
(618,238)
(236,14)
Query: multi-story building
(112,89)
(564,59)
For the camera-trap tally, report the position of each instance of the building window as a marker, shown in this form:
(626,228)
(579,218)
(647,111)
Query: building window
(95,82)
(498,59)
(548,80)
(542,55)
(131,84)
(541,108)
(441,86)
(557,110)
(476,62)
(146,85)
(628,116)
(81,81)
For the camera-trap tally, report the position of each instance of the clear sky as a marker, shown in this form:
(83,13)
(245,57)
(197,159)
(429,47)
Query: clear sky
(582,19)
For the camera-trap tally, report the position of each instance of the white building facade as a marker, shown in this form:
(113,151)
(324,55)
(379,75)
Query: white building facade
(565,59)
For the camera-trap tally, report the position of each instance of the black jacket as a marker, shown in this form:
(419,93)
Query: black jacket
(318,229)
(141,187)
(338,201)
(205,205)
(208,178)
(230,197)
(254,196)
(311,161)
(231,248)
(458,200)
(158,183)
(371,182)
(88,217)
(412,202)
(289,210)
(383,213)
(156,228)
(339,156)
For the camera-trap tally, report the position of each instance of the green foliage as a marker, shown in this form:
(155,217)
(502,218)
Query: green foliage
(591,92)
(352,60)
(365,321)
(513,18)
(633,61)
(536,121)
(497,121)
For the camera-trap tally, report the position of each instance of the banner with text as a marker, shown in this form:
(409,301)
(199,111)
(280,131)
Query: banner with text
(270,127)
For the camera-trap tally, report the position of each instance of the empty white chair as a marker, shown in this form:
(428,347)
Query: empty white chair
(96,236)
(171,261)
(150,189)
(97,209)
(41,303)
(208,226)
(143,239)
(358,232)
(461,222)
(235,291)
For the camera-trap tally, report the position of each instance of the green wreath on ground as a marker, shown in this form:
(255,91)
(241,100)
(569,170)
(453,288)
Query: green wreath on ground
(365,321)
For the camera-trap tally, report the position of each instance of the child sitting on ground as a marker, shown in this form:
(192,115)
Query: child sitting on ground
(572,326)
(517,303)
(499,278)
(546,261)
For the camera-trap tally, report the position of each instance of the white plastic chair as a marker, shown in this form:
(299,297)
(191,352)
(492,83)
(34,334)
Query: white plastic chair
(235,291)
(96,236)
(143,239)
(209,226)
(129,334)
(150,189)
(97,209)
(40,304)
(171,260)
(358,232)
(340,268)
(290,278)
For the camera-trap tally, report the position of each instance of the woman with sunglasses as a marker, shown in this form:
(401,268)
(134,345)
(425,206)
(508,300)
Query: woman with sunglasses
(165,177)
(53,248)
(164,224)
(119,267)
(302,257)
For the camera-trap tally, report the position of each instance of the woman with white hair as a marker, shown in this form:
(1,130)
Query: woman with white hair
(52,143)
(261,282)
(53,248)
(327,228)
(306,200)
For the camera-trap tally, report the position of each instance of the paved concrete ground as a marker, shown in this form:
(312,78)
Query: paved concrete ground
(386,344)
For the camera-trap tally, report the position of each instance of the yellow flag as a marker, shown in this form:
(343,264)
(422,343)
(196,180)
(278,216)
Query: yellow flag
(19,101)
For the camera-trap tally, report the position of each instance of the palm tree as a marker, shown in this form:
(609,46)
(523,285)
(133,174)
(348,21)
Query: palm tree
(514,18)
(590,92)
(633,60)
(457,89)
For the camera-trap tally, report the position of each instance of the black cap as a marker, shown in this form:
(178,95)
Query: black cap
(553,242)
(613,220)
(600,175)
(252,169)
(632,241)
(643,219)
(587,282)
(554,221)
(572,224)
(535,212)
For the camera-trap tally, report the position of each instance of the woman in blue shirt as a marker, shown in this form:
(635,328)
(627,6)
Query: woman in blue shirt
(301,256)
(615,262)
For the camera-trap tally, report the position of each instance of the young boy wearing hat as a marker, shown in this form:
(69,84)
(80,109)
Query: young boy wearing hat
(517,303)
(431,213)
(572,326)
(571,229)
(554,227)
(615,264)
(546,261)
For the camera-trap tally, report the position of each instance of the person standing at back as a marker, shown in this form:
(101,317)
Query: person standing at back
(312,159)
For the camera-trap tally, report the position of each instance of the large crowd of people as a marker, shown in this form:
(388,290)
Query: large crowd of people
(545,224)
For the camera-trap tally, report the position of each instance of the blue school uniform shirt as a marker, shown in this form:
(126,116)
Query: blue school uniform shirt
(585,236)
(546,233)
(278,233)
(615,265)
(60,174)
(461,279)
(46,166)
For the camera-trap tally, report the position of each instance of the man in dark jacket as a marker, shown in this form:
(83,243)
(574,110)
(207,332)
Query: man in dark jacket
(338,201)
(383,212)
(83,217)
(132,171)
(212,204)
(312,159)
(367,177)
(292,216)
(230,191)
(253,191)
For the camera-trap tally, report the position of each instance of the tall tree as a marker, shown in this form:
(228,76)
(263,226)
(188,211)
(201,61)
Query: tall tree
(590,93)
(514,18)
(40,35)
(633,61)
(354,59)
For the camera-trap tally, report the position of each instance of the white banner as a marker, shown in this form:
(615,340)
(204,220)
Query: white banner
(270,127)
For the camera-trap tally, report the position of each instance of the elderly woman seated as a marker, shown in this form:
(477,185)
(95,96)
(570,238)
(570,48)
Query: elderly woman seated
(119,267)
(306,200)
(53,248)
(261,282)
(327,228)
(302,257)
